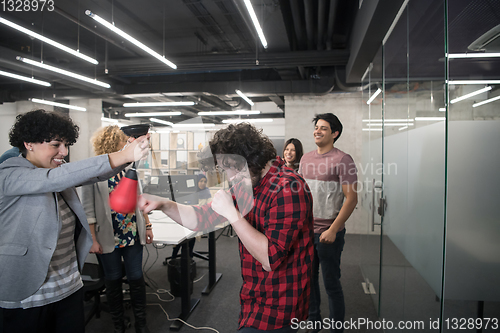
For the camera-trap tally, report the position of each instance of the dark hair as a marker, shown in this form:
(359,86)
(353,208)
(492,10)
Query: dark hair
(332,119)
(41,126)
(246,143)
(299,151)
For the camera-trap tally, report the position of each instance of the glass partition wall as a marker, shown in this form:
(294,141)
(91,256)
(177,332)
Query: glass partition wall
(436,251)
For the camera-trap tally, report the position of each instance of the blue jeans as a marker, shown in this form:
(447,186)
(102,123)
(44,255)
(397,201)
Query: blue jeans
(132,259)
(328,256)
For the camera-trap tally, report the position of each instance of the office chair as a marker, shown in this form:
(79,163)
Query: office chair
(93,288)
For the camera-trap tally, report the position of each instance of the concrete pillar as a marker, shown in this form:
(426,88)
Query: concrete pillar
(88,122)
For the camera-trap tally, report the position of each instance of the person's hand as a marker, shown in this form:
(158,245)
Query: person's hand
(149,236)
(222,204)
(137,149)
(149,202)
(328,237)
(96,248)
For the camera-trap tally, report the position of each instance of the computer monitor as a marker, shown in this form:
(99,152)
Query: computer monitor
(184,187)
(158,185)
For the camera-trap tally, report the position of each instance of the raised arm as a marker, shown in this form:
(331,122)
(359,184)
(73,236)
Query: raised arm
(182,214)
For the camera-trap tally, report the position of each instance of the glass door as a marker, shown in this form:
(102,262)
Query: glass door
(371,177)
(414,156)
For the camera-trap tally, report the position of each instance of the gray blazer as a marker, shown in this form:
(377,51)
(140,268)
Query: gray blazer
(95,199)
(29,219)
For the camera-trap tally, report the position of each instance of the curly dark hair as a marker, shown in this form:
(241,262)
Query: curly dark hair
(244,143)
(42,126)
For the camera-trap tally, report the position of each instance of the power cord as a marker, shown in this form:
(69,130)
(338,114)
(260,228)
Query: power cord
(154,285)
(179,319)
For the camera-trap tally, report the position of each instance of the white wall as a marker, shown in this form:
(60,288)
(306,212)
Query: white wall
(8,113)
(88,122)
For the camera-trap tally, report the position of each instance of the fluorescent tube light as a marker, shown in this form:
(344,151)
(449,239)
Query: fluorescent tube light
(33,34)
(473,55)
(375,94)
(25,78)
(130,38)
(372,129)
(403,128)
(474,93)
(228,113)
(429,118)
(132,96)
(442,109)
(392,124)
(474,82)
(138,105)
(152,114)
(242,95)
(390,120)
(63,72)
(486,101)
(109,120)
(248,4)
(163,122)
(194,125)
(237,121)
(61,105)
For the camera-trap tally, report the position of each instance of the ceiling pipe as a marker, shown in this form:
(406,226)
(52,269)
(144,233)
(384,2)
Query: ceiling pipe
(216,101)
(331,23)
(210,24)
(232,62)
(309,16)
(297,24)
(321,24)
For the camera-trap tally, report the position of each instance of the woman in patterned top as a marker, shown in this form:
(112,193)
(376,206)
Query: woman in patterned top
(45,236)
(117,236)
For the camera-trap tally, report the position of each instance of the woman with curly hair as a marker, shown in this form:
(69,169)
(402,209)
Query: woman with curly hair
(117,236)
(275,230)
(292,153)
(45,236)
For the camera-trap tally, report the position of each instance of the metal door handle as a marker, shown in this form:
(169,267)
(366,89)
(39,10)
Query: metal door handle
(373,204)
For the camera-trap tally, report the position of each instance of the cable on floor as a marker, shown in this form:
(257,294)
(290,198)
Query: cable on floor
(179,319)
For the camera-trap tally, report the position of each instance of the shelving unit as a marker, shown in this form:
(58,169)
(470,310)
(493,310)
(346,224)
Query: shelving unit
(176,152)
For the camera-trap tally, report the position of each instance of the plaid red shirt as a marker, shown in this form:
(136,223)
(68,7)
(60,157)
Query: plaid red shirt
(282,211)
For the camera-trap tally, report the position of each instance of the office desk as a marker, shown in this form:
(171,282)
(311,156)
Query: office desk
(166,231)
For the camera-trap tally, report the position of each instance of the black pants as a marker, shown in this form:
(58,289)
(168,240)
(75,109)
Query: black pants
(64,316)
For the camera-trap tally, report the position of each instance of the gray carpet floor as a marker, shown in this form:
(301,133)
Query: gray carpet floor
(220,309)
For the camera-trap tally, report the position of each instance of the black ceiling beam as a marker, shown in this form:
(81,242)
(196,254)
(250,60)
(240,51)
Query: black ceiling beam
(278,100)
(316,87)
(373,20)
(231,62)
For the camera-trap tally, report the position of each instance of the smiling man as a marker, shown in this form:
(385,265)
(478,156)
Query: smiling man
(331,176)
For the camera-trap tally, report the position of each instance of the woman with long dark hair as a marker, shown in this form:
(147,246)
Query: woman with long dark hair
(292,153)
